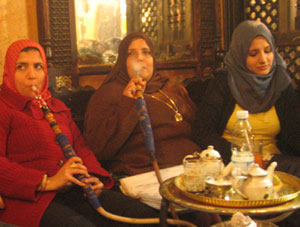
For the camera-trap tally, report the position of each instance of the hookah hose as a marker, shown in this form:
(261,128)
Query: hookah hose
(145,123)
(91,195)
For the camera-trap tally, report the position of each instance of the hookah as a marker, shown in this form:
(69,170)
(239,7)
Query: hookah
(145,124)
(91,195)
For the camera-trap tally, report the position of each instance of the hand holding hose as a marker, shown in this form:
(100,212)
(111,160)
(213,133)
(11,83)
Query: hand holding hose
(96,184)
(91,183)
(67,175)
(133,86)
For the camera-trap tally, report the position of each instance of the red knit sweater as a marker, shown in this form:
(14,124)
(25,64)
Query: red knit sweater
(28,150)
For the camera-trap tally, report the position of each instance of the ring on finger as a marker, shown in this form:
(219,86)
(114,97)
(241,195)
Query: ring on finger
(73,165)
(69,183)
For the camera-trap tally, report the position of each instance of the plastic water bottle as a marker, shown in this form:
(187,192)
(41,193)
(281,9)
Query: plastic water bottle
(242,144)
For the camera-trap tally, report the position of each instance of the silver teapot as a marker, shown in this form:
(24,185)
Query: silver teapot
(257,184)
(198,166)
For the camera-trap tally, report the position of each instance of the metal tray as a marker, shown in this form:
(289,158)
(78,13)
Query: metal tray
(289,190)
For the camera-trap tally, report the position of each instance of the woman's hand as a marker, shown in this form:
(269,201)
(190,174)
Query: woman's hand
(131,88)
(65,176)
(97,185)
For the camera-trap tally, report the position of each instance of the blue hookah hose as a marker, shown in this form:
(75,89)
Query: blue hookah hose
(145,124)
(91,195)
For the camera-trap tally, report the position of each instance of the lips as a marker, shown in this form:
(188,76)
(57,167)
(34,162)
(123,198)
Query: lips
(262,68)
(143,69)
(30,86)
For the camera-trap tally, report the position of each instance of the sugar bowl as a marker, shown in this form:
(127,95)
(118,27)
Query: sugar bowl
(198,166)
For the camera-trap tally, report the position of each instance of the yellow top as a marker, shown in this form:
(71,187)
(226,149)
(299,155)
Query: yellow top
(265,127)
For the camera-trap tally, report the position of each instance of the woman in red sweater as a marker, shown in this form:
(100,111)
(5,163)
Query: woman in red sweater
(37,183)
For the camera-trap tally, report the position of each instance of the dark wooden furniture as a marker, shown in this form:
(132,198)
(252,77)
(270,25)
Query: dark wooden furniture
(213,22)
(56,23)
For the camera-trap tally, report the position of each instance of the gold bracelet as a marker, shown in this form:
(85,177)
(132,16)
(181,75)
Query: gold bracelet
(43,185)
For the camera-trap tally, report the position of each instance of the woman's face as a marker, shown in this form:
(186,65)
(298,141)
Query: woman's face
(260,56)
(139,61)
(29,72)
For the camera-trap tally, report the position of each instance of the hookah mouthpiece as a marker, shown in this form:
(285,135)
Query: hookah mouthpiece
(36,92)
(34,88)
(39,97)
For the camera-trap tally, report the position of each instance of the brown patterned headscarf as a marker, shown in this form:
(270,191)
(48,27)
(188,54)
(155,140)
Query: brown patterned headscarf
(119,71)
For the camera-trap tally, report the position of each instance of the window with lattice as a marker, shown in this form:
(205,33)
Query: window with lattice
(265,11)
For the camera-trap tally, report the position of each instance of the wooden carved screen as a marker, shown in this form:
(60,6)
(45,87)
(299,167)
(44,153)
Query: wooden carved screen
(170,23)
(275,13)
(57,37)
(196,57)
(283,19)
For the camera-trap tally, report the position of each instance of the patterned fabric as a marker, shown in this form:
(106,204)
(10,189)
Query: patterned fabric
(146,126)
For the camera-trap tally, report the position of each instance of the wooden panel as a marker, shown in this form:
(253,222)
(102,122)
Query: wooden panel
(57,38)
(207,36)
(57,35)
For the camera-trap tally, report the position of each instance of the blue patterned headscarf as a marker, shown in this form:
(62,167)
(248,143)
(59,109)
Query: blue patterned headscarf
(253,92)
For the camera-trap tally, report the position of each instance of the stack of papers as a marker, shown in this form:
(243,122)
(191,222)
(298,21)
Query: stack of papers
(145,186)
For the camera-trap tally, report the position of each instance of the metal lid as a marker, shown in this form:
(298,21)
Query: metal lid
(210,153)
(255,171)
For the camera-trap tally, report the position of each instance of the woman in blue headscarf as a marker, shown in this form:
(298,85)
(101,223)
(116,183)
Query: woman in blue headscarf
(254,79)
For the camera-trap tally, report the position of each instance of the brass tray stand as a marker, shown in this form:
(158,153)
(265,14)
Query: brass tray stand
(171,193)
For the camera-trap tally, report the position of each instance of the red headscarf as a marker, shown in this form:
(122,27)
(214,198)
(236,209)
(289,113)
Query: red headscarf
(11,58)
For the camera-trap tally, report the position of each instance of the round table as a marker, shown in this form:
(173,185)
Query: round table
(171,193)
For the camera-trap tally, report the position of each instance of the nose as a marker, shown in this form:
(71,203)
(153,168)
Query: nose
(262,58)
(139,56)
(31,74)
